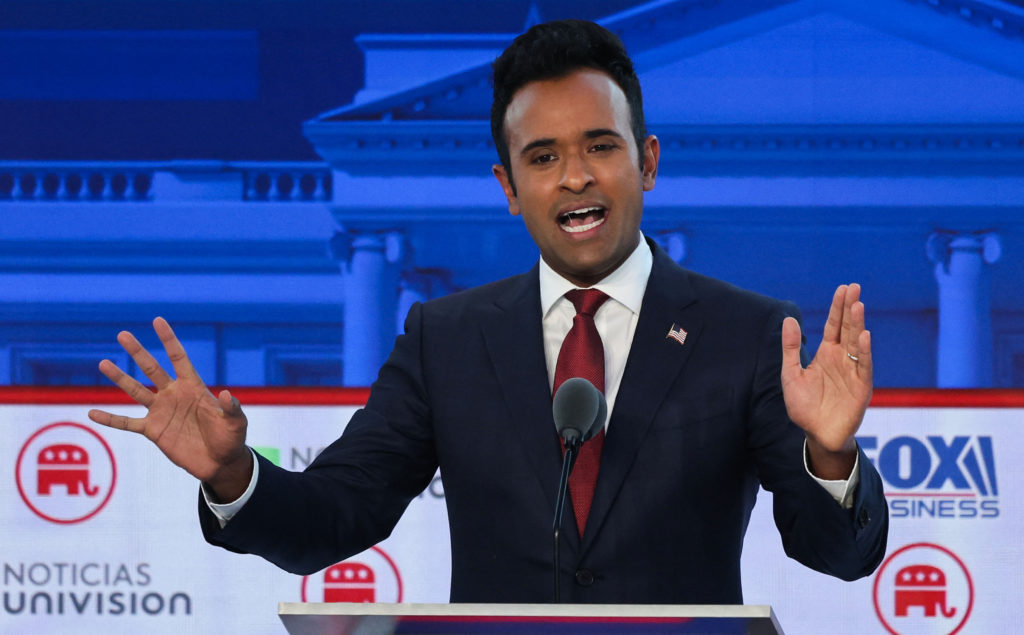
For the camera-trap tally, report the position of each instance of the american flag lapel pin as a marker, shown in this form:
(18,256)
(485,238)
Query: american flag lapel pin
(677,333)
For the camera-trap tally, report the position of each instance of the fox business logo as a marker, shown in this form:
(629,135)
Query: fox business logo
(935,476)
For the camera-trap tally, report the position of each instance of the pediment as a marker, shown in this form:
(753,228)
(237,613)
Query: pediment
(808,61)
(805,79)
(829,67)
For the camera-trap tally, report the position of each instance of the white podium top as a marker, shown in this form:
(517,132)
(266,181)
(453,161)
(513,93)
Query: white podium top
(341,617)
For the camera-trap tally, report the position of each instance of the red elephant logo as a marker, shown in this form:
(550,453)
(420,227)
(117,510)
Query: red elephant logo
(64,464)
(922,585)
(370,576)
(349,582)
(66,472)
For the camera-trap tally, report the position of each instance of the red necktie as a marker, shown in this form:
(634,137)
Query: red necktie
(582,355)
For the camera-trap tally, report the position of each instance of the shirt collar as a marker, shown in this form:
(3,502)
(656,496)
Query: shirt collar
(625,285)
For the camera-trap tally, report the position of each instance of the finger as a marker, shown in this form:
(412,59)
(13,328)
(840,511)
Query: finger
(834,323)
(791,365)
(852,293)
(865,362)
(175,351)
(146,362)
(229,404)
(127,383)
(853,318)
(118,422)
(857,317)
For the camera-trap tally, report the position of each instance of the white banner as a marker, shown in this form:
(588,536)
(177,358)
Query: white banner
(100,533)
(953,563)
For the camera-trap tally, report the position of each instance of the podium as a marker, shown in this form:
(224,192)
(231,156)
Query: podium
(339,618)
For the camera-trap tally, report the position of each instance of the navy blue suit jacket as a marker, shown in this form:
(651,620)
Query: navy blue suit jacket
(695,428)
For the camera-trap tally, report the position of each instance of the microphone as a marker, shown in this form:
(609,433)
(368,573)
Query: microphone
(579,410)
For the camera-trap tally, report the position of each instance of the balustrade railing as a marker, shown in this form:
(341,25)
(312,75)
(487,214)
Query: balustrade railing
(44,181)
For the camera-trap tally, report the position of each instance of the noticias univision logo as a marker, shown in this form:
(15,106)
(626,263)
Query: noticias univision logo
(936,477)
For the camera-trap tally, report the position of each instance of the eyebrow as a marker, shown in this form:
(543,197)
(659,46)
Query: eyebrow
(537,143)
(589,134)
(601,132)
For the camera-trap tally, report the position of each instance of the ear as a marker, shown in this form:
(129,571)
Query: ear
(506,185)
(652,152)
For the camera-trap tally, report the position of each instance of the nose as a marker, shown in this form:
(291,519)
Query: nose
(576,173)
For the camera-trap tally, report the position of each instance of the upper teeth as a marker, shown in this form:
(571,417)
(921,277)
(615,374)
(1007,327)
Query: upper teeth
(582,212)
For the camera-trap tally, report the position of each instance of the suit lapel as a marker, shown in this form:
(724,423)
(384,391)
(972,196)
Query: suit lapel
(515,344)
(655,360)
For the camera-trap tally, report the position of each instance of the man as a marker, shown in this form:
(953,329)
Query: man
(704,383)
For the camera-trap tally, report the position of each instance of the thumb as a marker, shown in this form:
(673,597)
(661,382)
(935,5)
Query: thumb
(229,404)
(790,349)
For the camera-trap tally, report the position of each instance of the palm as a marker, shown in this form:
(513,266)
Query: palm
(197,431)
(829,397)
(186,422)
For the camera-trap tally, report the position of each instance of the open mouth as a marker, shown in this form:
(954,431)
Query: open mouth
(581,220)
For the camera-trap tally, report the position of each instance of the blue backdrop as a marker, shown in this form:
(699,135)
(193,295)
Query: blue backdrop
(281,180)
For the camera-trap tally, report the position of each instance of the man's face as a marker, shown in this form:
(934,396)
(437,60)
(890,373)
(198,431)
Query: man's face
(578,184)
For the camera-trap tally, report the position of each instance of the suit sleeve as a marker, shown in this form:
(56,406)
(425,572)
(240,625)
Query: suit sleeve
(815,529)
(353,494)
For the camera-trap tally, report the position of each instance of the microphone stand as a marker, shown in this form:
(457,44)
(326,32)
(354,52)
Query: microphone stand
(572,448)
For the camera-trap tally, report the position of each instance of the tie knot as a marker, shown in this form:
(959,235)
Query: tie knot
(586,301)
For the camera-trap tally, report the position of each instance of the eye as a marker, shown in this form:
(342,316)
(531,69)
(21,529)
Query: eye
(546,157)
(603,147)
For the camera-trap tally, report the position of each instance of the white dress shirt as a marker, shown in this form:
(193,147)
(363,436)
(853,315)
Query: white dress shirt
(615,319)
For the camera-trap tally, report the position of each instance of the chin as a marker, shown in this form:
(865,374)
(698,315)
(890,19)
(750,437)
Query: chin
(590,272)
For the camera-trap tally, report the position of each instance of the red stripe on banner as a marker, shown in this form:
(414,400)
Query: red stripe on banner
(252,396)
(302,396)
(883,397)
(948,398)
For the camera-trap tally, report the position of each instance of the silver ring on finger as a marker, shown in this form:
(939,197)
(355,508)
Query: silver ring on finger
(853,357)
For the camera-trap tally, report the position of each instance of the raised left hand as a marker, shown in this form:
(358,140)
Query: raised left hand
(829,397)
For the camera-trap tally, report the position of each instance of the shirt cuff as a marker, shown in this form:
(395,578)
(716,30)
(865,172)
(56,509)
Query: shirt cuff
(226,511)
(842,491)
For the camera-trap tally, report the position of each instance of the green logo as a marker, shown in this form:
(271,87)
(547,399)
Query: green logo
(271,454)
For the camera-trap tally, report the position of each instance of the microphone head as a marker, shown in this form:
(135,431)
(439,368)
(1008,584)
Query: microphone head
(579,410)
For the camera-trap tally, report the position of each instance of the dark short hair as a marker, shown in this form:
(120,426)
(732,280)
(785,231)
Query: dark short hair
(556,49)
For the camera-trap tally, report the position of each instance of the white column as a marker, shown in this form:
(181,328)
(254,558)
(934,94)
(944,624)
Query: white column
(371,288)
(965,320)
(420,285)
(411,290)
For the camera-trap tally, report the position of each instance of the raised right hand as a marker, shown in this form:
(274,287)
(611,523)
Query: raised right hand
(201,433)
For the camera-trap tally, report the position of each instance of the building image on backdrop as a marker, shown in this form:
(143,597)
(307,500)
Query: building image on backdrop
(282,181)
(876,141)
